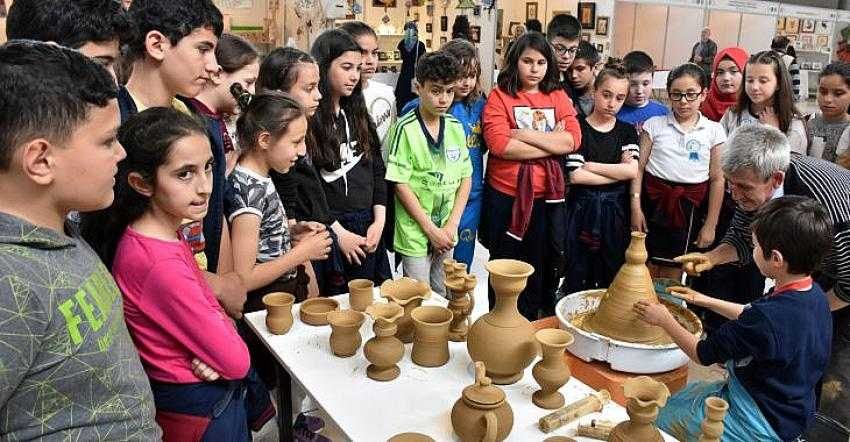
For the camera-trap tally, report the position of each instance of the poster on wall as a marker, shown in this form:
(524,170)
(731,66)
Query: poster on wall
(233,4)
(841,38)
(792,25)
(587,15)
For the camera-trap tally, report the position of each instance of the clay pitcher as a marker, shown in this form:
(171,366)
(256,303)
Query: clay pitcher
(360,294)
(615,318)
(503,339)
(408,293)
(430,335)
(279,312)
(646,396)
(384,350)
(345,331)
(552,371)
(482,413)
(712,425)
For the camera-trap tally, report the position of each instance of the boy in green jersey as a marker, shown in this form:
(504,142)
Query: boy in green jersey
(429,162)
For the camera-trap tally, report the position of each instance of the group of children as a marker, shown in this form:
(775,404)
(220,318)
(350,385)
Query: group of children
(200,213)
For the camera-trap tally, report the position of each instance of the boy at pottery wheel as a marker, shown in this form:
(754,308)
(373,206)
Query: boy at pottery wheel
(775,348)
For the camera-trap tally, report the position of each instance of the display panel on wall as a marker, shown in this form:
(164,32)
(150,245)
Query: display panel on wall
(587,14)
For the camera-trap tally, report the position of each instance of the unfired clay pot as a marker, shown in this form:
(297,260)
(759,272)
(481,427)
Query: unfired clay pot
(503,339)
(360,294)
(411,437)
(552,371)
(460,287)
(712,425)
(279,312)
(384,350)
(482,413)
(646,396)
(430,335)
(345,332)
(615,317)
(408,293)
(314,311)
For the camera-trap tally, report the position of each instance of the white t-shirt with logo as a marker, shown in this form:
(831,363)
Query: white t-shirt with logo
(679,156)
(380,101)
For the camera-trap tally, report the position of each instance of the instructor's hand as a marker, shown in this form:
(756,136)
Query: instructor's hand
(694,263)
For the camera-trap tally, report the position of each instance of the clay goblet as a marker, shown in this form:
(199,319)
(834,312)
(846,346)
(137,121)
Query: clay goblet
(384,350)
(360,294)
(430,335)
(279,312)
(345,331)
(552,371)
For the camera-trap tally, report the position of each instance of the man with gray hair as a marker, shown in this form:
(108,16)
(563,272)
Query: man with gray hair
(759,166)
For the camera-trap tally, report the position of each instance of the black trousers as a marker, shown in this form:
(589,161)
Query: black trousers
(542,247)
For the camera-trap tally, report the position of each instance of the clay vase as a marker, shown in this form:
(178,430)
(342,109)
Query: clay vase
(430,335)
(712,425)
(384,350)
(360,294)
(345,331)
(615,317)
(646,396)
(482,413)
(408,293)
(460,288)
(503,339)
(279,312)
(552,371)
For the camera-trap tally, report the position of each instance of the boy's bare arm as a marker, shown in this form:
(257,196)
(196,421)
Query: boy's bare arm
(729,310)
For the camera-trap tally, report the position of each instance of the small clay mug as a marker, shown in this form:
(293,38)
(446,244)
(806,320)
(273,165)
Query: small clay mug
(345,331)
(430,335)
(360,294)
(279,312)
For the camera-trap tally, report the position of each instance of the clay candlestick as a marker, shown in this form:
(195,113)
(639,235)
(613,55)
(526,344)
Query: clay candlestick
(552,371)
(712,425)
(460,289)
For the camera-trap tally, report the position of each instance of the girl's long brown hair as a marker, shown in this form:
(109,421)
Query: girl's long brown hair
(783,100)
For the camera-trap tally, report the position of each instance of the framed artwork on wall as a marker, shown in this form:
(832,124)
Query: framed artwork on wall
(602,25)
(531,11)
(443,41)
(792,25)
(587,15)
(512,26)
(429,27)
(384,3)
(807,26)
(500,16)
(780,24)
(585,36)
(822,41)
(475,34)
(444,23)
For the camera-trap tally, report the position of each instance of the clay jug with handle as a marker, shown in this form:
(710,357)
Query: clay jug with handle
(504,339)
(482,413)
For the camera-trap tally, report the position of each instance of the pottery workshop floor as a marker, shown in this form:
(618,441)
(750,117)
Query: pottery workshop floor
(269,433)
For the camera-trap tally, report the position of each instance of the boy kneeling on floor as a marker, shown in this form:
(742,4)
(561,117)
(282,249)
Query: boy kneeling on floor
(775,348)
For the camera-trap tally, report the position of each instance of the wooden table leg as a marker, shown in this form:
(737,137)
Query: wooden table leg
(284,400)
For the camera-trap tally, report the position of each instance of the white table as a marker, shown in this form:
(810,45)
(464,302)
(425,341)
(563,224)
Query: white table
(419,400)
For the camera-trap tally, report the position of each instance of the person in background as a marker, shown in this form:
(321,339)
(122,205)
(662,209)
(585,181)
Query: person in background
(563,32)
(524,198)
(782,46)
(460,28)
(582,75)
(533,25)
(726,82)
(639,105)
(94,27)
(704,51)
(240,64)
(411,49)
(768,100)
(827,127)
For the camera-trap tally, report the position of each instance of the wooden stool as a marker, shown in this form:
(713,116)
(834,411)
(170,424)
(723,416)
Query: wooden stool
(599,375)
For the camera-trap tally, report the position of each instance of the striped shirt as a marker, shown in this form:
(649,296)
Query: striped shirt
(829,185)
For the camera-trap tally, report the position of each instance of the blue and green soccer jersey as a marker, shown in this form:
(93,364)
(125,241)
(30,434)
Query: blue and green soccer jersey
(432,168)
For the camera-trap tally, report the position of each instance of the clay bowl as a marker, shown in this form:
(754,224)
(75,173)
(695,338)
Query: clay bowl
(314,311)
(410,437)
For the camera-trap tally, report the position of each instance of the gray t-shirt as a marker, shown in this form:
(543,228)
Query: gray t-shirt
(68,368)
(251,193)
(823,137)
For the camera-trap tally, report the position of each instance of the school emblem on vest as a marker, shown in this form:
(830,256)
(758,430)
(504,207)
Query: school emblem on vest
(453,154)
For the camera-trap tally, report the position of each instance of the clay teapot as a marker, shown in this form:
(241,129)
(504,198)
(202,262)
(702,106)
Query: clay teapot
(646,396)
(482,413)
(384,350)
(503,339)
(279,312)
(408,293)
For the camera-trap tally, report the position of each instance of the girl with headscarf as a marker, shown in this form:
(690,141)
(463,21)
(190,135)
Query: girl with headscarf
(727,78)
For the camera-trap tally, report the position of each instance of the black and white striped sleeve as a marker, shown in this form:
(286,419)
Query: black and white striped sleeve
(738,236)
(837,263)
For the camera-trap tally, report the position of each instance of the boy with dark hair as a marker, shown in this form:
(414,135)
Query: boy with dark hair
(582,74)
(173,54)
(94,27)
(776,348)
(429,161)
(533,25)
(69,368)
(563,32)
(639,107)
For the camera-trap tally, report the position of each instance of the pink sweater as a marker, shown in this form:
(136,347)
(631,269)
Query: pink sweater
(171,312)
